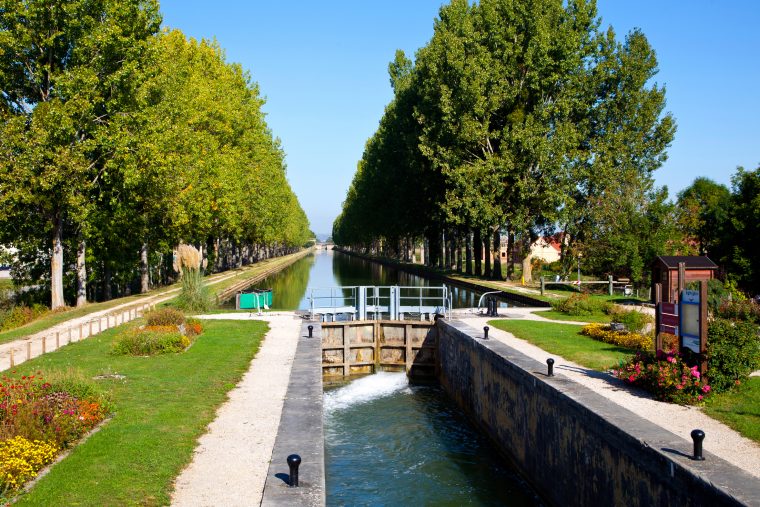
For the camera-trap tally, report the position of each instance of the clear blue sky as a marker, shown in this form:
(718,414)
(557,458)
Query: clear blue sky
(322,66)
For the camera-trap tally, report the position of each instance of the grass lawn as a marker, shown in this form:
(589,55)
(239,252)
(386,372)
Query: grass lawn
(739,409)
(6,284)
(161,408)
(555,315)
(565,340)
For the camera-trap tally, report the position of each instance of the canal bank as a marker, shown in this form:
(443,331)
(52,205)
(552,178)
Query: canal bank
(571,444)
(426,272)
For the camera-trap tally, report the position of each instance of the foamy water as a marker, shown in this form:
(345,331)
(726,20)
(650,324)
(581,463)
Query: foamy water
(364,390)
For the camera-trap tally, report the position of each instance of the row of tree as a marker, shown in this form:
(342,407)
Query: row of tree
(118,141)
(524,118)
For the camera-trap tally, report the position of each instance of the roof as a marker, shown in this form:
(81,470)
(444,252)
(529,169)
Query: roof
(692,261)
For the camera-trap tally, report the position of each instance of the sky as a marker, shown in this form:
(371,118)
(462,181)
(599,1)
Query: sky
(323,68)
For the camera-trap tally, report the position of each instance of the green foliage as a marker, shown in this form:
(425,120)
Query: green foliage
(517,116)
(733,352)
(193,296)
(165,317)
(17,316)
(633,320)
(150,341)
(742,310)
(579,305)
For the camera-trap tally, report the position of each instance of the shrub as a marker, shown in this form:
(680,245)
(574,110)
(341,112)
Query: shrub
(627,339)
(165,317)
(733,352)
(578,304)
(150,341)
(633,320)
(21,459)
(745,310)
(666,376)
(18,316)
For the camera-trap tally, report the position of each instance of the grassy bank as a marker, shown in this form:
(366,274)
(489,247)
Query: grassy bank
(555,315)
(739,408)
(162,406)
(564,340)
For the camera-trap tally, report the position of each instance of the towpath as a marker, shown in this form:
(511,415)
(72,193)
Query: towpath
(681,420)
(230,463)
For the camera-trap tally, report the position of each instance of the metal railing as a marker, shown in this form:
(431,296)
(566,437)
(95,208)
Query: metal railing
(365,302)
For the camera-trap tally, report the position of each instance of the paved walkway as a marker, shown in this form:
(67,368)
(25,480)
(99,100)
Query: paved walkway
(230,463)
(681,420)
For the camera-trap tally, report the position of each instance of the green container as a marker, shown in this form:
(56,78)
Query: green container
(256,299)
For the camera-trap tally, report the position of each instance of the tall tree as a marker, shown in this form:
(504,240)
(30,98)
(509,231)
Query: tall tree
(66,69)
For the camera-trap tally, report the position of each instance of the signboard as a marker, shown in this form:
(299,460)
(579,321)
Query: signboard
(690,315)
(668,318)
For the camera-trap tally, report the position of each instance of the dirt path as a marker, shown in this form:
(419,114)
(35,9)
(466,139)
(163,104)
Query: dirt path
(230,463)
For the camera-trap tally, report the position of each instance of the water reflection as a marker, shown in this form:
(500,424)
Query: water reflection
(326,269)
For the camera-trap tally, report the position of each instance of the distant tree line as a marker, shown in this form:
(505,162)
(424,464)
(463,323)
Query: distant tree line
(518,118)
(118,141)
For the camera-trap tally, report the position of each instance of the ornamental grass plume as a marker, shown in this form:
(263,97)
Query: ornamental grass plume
(194,296)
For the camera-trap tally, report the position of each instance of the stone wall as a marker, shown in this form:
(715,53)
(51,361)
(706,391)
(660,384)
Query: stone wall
(573,445)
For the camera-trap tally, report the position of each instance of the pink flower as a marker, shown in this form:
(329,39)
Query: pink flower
(706,388)
(700,397)
(695,372)
(671,359)
(631,378)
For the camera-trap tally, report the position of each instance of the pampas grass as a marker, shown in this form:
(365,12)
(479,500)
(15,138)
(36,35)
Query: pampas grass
(194,295)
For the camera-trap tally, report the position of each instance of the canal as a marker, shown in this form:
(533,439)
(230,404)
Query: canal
(328,268)
(388,442)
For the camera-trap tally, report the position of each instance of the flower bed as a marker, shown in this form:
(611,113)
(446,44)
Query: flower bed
(604,333)
(666,376)
(38,419)
(167,331)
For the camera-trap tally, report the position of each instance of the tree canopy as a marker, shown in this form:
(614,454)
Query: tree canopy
(118,141)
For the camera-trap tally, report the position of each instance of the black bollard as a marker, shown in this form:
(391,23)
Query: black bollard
(490,307)
(293,461)
(550,363)
(698,436)
(311,328)
(485,332)
(495,307)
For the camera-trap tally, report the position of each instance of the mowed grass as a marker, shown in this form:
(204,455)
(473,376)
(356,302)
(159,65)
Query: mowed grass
(739,408)
(555,315)
(566,341)
(161,408)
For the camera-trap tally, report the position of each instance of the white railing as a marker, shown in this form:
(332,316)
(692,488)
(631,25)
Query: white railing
(365,302)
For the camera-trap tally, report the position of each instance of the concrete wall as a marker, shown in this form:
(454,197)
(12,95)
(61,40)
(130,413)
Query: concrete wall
(576,447)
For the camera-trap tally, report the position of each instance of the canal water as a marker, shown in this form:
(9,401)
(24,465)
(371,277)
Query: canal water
(328,268)
(389,443)
(386,442)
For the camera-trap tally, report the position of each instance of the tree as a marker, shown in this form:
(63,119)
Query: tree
(66,69)
(703,210)
(744,239)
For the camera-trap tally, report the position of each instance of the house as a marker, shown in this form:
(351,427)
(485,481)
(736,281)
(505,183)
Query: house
(665,271)
(547,248)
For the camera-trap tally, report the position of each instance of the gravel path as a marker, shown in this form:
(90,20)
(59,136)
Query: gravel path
(230,463)
(720,439)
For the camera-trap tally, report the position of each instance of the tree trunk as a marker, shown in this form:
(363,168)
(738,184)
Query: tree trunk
(496,274)
(81,272)
(527,268)
(56,267)
(487,255)
(478,241)
(144,269)
(107,281)
(510,255)
(458,253)
(468,253)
